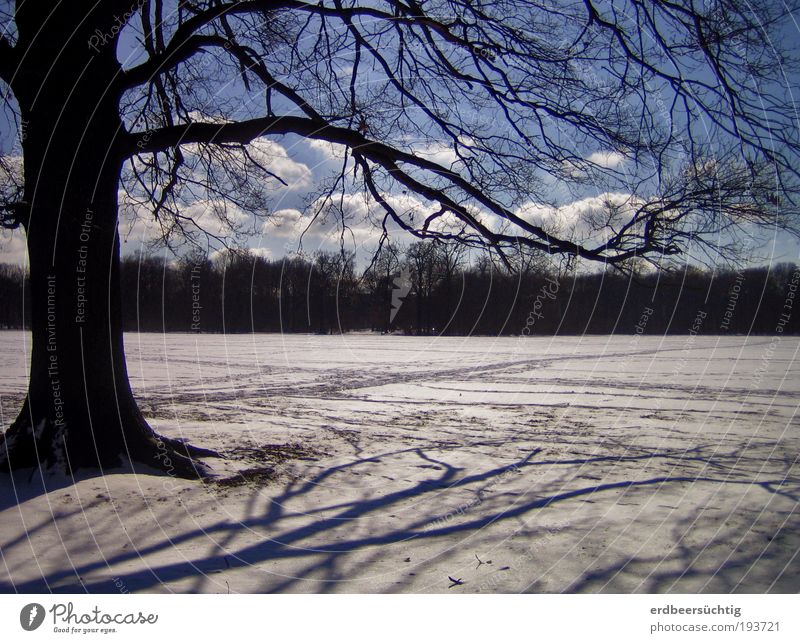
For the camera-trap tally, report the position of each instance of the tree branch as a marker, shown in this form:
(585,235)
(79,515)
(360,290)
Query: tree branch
(186,42)
(438,78)
(174,54)
(388,157)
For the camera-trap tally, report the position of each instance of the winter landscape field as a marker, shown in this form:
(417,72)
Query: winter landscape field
(367,463)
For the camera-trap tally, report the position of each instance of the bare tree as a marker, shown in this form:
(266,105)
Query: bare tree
(332,279)
(421,263)
(455,119)
(450,258)
(380,279)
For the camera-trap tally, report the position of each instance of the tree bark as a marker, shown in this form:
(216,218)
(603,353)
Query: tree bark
(79,411)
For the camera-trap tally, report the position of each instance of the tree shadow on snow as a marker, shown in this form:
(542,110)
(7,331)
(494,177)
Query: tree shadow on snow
(321,535)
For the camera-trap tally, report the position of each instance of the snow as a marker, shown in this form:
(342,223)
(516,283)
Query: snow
(388,464)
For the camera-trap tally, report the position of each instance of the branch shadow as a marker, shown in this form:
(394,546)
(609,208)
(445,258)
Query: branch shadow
(320,536)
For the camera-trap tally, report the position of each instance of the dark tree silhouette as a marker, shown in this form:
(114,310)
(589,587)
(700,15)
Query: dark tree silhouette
(332,281)
(421,265)
(379,281)
(471,110)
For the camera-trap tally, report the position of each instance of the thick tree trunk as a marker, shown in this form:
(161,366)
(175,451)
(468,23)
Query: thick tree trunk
(79,411)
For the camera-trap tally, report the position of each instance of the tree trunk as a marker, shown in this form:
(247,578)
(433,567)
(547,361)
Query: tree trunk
(79,410)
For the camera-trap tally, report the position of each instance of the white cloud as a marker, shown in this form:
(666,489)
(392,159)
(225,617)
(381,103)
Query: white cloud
(589,208)
(330,151)
(215,216)
(138,226)
(439,153)
(264,253)
(363,221)
(276,159)
(538,213)
(586,218)
(287,222)
(608,159)
(267,153)
(196,116)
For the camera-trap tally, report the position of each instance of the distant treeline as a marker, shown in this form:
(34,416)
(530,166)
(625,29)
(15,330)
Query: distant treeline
(429,289)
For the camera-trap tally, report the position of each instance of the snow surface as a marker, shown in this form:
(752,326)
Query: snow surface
(617,464)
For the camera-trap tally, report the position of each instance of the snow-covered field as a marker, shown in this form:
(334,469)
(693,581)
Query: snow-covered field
(388,464)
